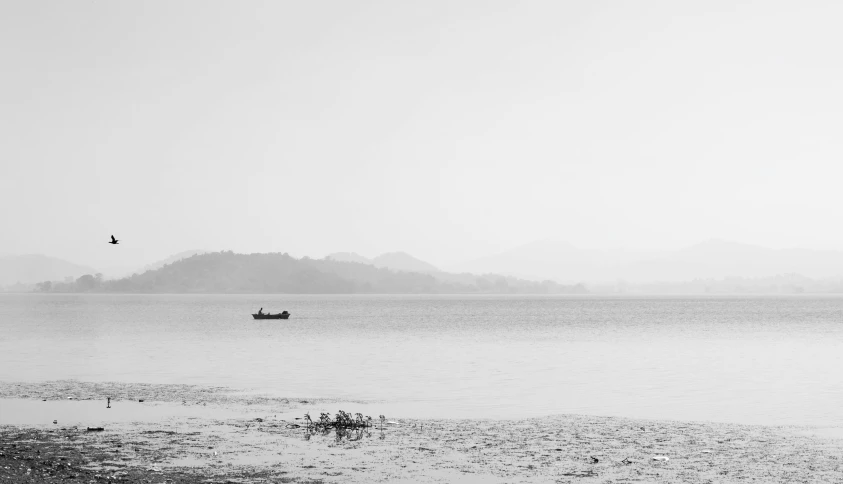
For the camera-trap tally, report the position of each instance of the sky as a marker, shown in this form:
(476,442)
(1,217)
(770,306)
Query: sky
(447,129)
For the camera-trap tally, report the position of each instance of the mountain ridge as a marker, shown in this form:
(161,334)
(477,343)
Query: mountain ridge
(400,261)
(713,258)
(277,273)
(32,268)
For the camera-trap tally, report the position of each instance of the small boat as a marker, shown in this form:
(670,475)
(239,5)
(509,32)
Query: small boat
(282,315)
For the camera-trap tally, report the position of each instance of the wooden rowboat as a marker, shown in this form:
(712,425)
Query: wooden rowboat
(284,315)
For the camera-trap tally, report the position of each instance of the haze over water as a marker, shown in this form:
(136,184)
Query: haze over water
(764,360)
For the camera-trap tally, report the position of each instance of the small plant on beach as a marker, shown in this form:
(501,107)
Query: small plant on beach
(343,420)
(325,420)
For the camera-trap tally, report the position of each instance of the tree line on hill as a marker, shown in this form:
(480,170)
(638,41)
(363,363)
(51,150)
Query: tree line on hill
(85,283)
(228,272)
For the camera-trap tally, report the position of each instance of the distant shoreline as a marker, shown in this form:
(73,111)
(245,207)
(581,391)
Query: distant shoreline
(563,295)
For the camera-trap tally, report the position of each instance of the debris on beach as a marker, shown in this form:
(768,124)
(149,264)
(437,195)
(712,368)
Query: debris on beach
(585,473)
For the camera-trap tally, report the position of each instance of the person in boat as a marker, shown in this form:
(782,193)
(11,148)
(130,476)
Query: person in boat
(260,311)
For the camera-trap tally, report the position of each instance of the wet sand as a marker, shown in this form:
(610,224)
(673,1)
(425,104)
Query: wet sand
(189,434)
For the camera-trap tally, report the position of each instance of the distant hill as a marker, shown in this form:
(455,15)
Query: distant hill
(778,284)
(564,262)
(169,260)
(349,257)
(556,260)
(719,259)
(30,269)
(402,261)
(127,270)
(227,272)
(398,261)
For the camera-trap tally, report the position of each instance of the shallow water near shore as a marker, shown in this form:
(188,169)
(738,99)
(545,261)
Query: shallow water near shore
(94,413)
(754,360)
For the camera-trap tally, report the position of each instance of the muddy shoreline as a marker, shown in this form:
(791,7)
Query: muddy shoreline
(198,434)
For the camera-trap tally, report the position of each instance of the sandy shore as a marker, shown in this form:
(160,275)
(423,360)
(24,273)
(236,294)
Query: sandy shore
(188,434)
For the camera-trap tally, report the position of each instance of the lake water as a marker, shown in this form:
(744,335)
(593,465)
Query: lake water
(765,360)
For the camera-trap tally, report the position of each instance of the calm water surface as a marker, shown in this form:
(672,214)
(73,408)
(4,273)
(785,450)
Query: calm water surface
(767,360)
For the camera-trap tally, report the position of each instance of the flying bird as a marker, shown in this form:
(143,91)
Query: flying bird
(113,240)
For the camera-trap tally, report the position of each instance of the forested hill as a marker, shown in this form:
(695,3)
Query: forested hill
(227,272)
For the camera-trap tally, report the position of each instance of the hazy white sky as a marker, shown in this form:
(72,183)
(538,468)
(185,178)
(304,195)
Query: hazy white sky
(447,129)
